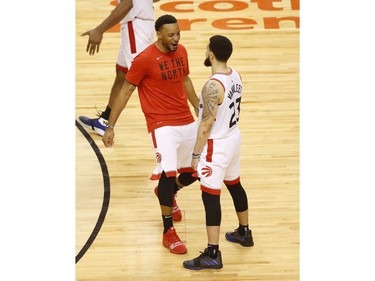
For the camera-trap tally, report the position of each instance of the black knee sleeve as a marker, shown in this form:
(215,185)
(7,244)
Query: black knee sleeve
(185,179)
(213,209)
(239,197)
(165,190)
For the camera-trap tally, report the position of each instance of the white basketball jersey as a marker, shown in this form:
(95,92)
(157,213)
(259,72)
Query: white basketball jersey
(228,113)
(142,9)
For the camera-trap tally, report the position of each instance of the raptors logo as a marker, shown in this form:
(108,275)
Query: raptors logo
(206,171)
(158,157)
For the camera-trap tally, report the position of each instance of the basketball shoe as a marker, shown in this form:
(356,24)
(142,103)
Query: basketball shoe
(173,243)
(204,261)
(176,212)
(245,240)
(99,125)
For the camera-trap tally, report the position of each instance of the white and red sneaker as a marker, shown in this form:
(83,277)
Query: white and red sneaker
(173,243)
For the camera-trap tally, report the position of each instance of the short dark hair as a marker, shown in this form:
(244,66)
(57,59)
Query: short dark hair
(165,19)
(221,46)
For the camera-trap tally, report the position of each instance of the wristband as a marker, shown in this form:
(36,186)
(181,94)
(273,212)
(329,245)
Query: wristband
(109,126)
(196,156)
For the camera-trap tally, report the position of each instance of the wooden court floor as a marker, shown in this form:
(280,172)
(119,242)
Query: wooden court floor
(118,222)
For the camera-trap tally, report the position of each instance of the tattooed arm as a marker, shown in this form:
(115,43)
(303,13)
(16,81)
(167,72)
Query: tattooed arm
(212,96)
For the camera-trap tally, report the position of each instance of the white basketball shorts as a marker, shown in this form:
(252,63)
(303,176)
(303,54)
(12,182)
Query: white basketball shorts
(136,35)
(173,146)
(220,162)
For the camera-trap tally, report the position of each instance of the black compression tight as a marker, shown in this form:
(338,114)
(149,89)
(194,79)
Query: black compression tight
(213,208)
(239,197)
(165,190)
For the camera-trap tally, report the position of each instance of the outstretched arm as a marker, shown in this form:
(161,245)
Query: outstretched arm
(96,34)
(118,106)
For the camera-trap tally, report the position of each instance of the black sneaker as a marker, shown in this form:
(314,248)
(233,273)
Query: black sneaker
(245,240)
(204,262)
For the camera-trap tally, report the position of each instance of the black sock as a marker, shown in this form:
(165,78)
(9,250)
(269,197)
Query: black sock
(167,222)
(212,250)
(242,229)
(106,113)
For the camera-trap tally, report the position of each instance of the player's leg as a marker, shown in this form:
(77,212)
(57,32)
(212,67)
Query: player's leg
(182,178)
(185,177)
(135,37)
(98,124)
(243,234)
(165,143)
(211,178)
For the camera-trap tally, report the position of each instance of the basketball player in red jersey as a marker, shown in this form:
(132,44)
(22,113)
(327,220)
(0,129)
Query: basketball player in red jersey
(161,73)
(137,32)
(216,154)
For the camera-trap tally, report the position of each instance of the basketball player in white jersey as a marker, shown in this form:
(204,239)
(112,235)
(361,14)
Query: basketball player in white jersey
(216,154)
(137,21)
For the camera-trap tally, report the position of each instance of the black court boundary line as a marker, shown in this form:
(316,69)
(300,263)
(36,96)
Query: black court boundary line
(107,192)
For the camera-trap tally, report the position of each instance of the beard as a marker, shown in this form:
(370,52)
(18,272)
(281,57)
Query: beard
(207,62)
